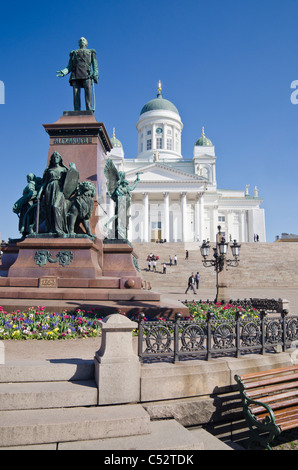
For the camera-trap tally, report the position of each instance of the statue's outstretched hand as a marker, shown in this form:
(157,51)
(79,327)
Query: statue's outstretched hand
(62,73)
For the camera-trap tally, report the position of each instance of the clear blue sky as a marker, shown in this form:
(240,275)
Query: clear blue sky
(226,65)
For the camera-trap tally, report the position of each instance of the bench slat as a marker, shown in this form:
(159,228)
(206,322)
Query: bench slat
(273,380)
(268,372)
(271,389)
(281,414)
(277,397)
(281,404)
(291,425)
(285,419)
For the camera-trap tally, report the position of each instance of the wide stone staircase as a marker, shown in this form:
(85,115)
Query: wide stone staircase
(53,405)
(261,265)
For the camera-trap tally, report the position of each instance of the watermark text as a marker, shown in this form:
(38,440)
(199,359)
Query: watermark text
(294,94)
(2,93)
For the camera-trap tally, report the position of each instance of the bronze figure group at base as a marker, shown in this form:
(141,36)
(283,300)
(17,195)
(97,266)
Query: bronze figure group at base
(56,203)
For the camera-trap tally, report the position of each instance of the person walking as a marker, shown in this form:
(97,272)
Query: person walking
(164,268)
(197,279)
(154,265)
(191,284)
(186,254)
(175,259)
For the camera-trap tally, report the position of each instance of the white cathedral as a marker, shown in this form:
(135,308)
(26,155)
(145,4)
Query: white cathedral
(177,199)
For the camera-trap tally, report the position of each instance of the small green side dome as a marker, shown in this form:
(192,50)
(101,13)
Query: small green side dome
(115,142)
(204,141)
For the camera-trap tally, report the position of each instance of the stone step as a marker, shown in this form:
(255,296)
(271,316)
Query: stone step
(261,265)
(78,294)
(47,371)
(46,426)
(42,395)
(164,435)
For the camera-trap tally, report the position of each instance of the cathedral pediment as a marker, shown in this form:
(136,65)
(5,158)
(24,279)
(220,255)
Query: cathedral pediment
(161,172)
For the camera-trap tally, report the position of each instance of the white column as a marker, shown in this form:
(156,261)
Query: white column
(153,137)
(166,211)
(144,139)
(213,175)
(130,230)
(183,216)
(201,216)
(197,218)
(146,217)
(242,226)
(175,224)
(111,208)
(214,223)
(228,226)
(110,213)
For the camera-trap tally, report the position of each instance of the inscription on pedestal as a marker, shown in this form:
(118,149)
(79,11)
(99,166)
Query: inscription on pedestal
(49,281)
(73,140)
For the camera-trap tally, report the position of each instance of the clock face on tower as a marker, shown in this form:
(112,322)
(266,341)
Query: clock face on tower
(159,130)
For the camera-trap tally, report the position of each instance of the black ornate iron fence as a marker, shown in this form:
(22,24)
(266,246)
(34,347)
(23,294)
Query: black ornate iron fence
(182,339)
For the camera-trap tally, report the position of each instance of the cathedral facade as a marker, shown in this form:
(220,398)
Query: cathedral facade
(177,199)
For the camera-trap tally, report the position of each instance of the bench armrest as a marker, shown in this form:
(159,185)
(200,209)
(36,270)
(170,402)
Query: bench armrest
(257,427)
(248,402)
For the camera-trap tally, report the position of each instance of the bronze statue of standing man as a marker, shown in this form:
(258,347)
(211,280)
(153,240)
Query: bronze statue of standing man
(83,68)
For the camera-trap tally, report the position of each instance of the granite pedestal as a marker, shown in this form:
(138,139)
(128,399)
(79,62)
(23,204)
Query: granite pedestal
(78,272)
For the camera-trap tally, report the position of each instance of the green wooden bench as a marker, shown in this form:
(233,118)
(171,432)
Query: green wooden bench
(270,400)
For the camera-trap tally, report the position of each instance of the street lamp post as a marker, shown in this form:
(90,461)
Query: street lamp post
(220,262)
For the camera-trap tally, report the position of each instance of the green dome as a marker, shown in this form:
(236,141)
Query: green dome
(159,103)
(204,141)
(115,142)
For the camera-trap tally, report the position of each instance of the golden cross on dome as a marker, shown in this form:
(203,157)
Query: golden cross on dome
(203,132)
(159,87)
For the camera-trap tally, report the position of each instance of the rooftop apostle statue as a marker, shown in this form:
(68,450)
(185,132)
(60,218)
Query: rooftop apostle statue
(83,68)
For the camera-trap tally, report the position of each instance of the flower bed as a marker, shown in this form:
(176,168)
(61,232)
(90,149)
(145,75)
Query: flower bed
(36,323)
(198,311)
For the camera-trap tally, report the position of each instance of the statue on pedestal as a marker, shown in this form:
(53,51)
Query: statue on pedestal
(26,206)
(57,201)
(54,200)
(83,68)
(82,207)
(119,191)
